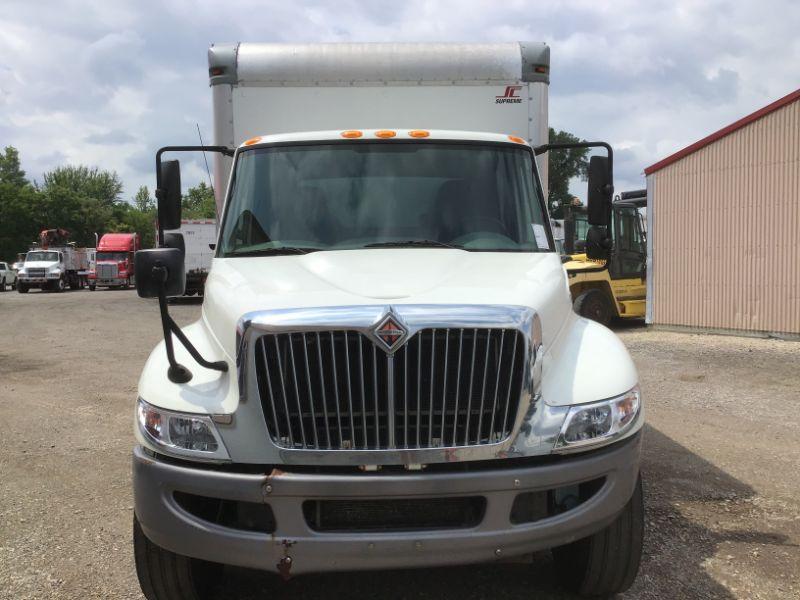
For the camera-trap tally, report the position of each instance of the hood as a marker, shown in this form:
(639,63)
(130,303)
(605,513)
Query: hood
(40,264)
(381,277)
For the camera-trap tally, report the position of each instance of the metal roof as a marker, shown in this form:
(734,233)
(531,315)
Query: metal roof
(788,99)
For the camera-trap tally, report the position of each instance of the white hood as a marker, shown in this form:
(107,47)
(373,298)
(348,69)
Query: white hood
(237,286)
(40,264)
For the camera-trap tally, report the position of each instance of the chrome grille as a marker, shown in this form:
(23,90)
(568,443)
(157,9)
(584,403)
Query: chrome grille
(36,273)
(106,271)
(337,390)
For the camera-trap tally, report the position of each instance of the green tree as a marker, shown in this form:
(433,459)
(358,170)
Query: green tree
(10,171)
(89,182)
(198,203)
(564,165)
(19,206)
(143,201)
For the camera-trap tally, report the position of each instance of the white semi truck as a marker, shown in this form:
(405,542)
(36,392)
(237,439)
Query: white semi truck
(388,372)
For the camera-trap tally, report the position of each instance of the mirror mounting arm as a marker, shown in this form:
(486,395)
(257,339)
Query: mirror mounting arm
(177,373)
(160,193)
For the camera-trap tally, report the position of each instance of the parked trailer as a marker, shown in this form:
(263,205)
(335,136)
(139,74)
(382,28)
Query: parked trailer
(114,263)
(388,372)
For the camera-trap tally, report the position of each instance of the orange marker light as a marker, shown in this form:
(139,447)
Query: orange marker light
(352,133)
(419,133)
(252,141)
(516,140)
(385,133)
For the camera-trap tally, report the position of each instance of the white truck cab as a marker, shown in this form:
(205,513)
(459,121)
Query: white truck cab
(387,372)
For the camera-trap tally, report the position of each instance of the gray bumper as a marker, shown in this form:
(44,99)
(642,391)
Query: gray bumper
(168,525)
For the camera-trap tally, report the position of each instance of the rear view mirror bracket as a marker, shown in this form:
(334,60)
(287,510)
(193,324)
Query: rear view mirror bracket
(160,273)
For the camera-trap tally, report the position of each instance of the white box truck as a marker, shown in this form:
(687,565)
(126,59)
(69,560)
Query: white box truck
(198,237)
(388,372)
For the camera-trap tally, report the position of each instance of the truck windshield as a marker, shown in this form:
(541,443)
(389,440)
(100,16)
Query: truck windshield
(113,256)
(42,256)
(366,195)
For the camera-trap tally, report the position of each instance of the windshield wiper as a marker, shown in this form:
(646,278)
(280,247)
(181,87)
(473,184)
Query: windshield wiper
(272,251)
(414,243)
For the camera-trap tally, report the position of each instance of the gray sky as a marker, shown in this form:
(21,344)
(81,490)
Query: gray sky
(106,83)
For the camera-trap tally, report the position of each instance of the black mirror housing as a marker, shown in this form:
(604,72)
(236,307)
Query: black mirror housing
(175,240)
(598,243)
(601,190)
(169,195)
(159,267)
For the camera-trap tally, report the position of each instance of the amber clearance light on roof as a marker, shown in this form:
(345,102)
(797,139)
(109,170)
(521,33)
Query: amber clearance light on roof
(385,133)
(419,133)
(351,133)
(516,140)
(252,141)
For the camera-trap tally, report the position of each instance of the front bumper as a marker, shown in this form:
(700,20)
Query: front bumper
(167,524)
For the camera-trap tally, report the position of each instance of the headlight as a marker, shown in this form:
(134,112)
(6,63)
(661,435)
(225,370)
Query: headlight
(600,422)
(188,435)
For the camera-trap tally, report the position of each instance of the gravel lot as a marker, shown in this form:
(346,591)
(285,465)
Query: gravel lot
(721,469)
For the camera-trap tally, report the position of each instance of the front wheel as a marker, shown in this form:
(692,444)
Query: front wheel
(605,563)
(22,288)
(164,575)
(2,285)
(594,305)
(60,285)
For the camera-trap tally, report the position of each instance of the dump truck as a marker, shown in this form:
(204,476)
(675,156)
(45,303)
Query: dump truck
(54,263)
(617,289)
(388,372)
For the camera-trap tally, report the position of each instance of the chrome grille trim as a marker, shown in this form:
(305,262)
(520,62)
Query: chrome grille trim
(374,408)
(107,271)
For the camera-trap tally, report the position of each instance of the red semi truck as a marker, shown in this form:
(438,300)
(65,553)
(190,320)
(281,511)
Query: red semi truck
(114,266)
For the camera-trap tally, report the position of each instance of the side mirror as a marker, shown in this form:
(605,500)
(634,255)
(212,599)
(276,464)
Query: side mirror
(601,190)
(159,267)
(169,195)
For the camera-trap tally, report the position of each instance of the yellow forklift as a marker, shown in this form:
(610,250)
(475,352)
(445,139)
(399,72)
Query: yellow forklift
(604,289)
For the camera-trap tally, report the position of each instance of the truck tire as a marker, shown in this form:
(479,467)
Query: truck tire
(60,285)
(605,563)
(164,575)
(22,288)
(2,285)
(594,305)
(92,287)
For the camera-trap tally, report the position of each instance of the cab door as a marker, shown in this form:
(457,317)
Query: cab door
(628,260)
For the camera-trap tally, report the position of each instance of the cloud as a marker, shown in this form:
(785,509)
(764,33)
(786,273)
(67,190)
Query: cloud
(105,83)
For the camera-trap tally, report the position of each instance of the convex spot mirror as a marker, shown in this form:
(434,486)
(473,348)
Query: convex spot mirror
(169,195)
(159,267)
(175,240)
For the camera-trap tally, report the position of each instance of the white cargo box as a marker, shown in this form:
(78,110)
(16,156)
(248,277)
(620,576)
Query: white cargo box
(197,235)
(261,89)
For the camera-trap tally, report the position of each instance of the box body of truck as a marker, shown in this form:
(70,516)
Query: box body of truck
(393,375)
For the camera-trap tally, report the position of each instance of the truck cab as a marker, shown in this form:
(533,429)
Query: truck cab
(388,372)
(114,261)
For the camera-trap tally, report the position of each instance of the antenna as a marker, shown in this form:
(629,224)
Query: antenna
(200,135)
